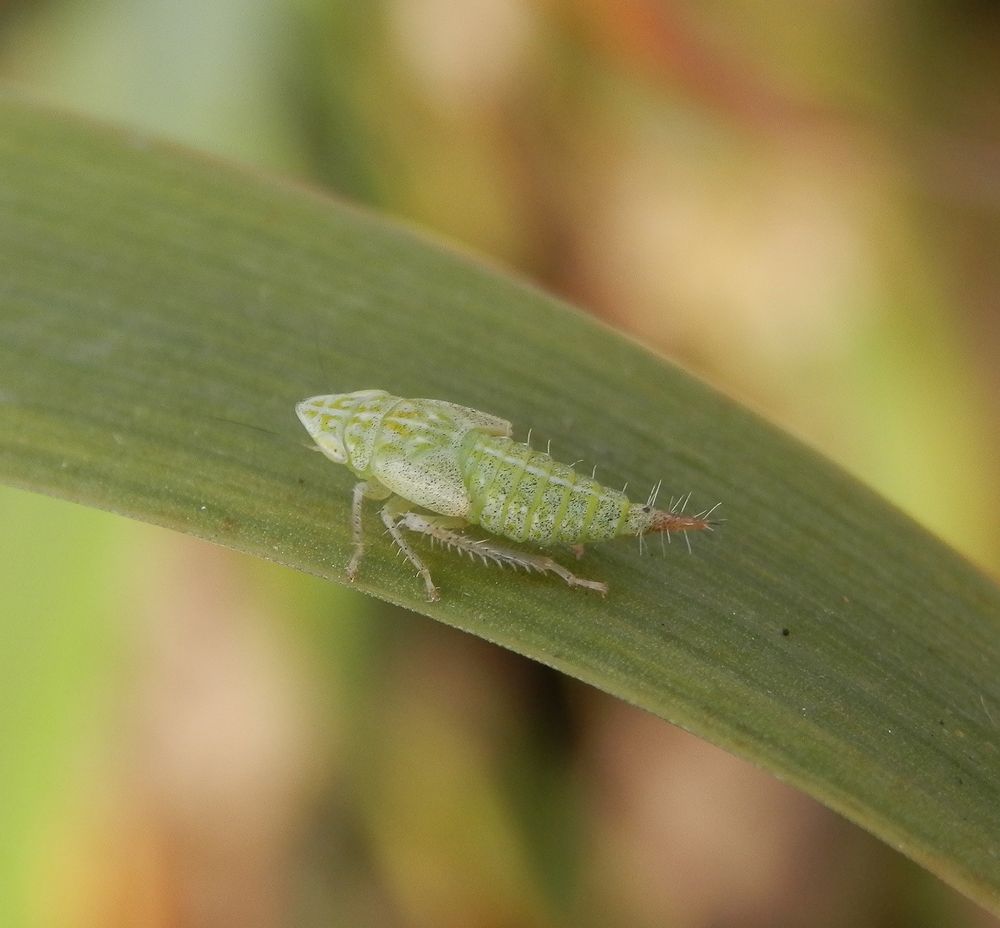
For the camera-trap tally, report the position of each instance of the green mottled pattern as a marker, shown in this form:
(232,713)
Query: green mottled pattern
(417,455)
(457,461)
(362,424)
(527,496)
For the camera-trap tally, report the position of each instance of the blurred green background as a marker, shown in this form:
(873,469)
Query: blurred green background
(800,203)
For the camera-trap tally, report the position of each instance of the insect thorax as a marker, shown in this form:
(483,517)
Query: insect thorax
(362,426)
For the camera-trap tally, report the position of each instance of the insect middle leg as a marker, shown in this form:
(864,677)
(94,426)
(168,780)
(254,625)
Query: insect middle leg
(394,514)
(444,529)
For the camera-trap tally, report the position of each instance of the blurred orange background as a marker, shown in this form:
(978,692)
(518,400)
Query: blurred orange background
(799,203)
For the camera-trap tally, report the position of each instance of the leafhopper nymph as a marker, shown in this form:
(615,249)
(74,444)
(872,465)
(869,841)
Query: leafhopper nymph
(441,467)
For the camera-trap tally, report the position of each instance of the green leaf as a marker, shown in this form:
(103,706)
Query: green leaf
(160,314)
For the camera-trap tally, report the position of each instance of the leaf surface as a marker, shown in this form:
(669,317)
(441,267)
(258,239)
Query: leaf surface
(160,315)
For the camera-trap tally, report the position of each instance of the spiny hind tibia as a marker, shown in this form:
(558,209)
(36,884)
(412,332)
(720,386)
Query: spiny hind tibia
(440,467)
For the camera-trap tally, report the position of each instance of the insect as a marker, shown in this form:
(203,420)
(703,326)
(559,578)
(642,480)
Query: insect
(440,467)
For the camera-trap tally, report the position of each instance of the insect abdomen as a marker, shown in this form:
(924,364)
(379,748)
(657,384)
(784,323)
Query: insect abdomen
(527,496)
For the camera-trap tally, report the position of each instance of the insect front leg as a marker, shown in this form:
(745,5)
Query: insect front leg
(373,490)
(394,514)
(443,528)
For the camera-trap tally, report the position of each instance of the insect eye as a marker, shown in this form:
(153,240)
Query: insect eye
(647,508)
(332,447)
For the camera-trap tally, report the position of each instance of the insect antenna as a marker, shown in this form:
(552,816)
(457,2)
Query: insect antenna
(244,425)
(271,433)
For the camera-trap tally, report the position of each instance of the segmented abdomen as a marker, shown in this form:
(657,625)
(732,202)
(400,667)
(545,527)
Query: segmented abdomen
(527,496)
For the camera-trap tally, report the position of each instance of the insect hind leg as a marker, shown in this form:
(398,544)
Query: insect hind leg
(443,529)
